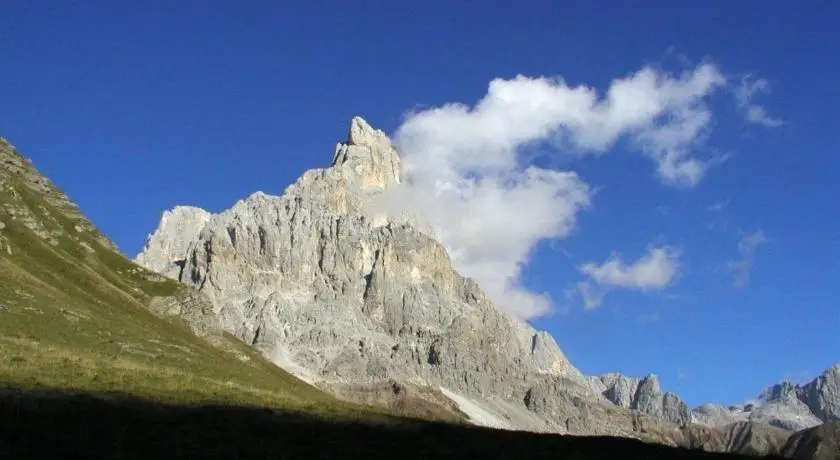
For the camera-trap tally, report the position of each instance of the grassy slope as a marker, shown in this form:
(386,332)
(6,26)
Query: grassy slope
(73,316)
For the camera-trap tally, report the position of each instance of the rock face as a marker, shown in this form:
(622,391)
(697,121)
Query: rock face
(642,395)
(746,438)
(785,405)
(818,443)
(343,296)
(165,248)
(368,305)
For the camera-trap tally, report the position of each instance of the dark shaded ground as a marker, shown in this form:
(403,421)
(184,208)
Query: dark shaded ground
(52,425)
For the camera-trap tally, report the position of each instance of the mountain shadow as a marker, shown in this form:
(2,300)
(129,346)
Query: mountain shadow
(49,424)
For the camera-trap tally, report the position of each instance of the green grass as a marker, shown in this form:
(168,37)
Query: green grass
(74,316)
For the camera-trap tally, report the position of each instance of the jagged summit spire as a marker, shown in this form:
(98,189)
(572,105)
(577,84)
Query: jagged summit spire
(369,155)
(364,135)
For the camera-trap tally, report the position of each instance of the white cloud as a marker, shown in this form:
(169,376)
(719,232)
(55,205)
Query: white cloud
(742,267)
(467,174)
(745,92)
(664,115)
(654,270)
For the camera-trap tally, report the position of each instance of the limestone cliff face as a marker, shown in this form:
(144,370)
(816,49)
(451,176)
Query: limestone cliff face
(348,297)
(339,294)
(165,248)
(643,395)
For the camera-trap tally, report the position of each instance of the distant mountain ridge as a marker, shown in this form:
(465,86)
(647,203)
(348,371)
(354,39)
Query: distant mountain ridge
(785,405)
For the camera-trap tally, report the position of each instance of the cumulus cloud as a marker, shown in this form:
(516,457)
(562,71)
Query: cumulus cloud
(745,92)
(742,267)
(664,115)
(654,270)
(468,175)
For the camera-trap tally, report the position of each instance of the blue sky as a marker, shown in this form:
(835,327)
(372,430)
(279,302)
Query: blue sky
(137,107)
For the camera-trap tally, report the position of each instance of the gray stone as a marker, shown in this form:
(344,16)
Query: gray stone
(338,294)
(165,248)
(354,299)
(784,405)
(822,395)
(645,396)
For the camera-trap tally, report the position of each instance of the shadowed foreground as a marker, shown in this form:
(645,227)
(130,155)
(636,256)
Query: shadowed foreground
(47,424)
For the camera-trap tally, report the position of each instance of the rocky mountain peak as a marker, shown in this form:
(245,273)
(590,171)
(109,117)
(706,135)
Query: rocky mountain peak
(368,157)
(339,295)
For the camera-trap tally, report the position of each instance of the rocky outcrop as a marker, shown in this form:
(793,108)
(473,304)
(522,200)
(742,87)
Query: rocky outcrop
(822,395)
(749,438)
(818,443)
(165,248)
(643,395)
(785,405)
(402,399)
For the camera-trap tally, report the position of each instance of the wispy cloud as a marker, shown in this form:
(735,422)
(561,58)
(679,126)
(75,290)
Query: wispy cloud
(718,207)
(654,270)
(745,92)
(719,222)
(591,295)
(741,268)
(647,319)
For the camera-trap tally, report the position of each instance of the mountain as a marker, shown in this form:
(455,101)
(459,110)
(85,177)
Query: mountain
(102,358)
(785,405)
(343,295)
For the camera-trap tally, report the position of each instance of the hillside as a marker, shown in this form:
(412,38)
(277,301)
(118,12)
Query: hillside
(75,315)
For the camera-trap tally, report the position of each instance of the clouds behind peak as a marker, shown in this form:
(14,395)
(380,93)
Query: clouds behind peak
(467,175)
(664,115)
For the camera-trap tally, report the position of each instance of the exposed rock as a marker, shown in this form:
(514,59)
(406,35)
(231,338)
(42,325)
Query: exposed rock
(749,438)
(407,400)
(192,307)
(785,405)
(339,295)
(645,396)
(165,248)
(347,297)
(822,395)
(818,443)
(2,225)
